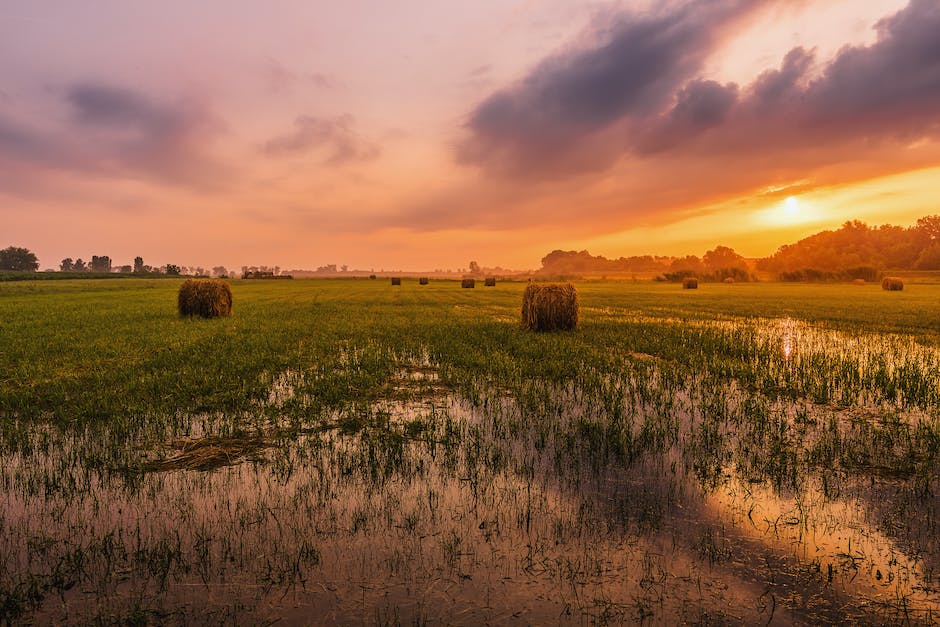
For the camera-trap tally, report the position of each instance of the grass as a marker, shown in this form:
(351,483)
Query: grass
(340,444)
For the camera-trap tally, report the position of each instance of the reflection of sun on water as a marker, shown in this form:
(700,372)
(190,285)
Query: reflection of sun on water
(789,338)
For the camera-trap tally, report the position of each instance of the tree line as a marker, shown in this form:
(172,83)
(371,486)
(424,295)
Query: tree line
(853,251)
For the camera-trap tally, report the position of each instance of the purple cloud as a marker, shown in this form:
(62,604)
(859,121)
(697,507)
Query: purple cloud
(639,95)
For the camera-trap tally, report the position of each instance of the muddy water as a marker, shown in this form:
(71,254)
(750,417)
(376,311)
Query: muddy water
(424,507)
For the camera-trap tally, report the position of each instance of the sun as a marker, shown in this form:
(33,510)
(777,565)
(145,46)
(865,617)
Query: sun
(791,208)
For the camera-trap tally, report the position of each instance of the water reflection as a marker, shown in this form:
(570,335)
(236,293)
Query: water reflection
(788,335)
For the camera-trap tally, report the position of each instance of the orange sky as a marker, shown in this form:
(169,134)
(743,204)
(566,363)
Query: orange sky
(420,135)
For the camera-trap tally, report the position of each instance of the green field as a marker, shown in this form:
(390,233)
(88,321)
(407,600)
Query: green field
(348,451)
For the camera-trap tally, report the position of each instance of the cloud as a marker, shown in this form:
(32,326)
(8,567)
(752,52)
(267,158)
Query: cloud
(543,122)
(334,137)
(639,94)
(113,132)
(279,78)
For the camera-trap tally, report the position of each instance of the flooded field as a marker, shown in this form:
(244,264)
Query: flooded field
(339,452)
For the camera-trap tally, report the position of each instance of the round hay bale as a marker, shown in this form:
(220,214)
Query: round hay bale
(549,306)
(396,280)
(372,276)
(858,282)
(490,281)
(729,280)
(690,283)
(468,283)
(423,280)
(892,284)
(208,298)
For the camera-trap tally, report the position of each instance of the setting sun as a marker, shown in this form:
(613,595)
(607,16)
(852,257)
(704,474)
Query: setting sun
(791,208)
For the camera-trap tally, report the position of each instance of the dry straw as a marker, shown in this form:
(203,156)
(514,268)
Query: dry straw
(396,280)
(209,298)
(690,283)
(468,283)
(892,284)
(490,281)
(423,280)
(549,306)
(858,282)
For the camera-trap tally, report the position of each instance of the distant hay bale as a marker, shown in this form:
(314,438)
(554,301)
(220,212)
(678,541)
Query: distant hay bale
(372,276)
(208,298)
(892,284)
(423,280)
(468,283)
(549,306)
(490,281)
(690,283)
(729,280)
(396,280)
(858,282)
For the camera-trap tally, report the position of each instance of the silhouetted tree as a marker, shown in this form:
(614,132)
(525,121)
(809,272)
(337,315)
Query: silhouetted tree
(172,269)
(100,264)
(138,264)
(66,265)
(16,258)
(79,266)
(722,257)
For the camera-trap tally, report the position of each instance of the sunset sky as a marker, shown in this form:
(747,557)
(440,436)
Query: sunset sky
(420,134)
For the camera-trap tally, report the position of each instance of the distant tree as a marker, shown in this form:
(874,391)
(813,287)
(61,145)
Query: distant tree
(172,269)
(15,258)
(138,264)
(79,266)
(929,258)
(722,257)
(344,268)
(126,269)
(689,265)
(474,267)
(100,264)
(67,265)
(929,226)
(219,271)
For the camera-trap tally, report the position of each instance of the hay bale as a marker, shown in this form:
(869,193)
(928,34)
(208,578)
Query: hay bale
(490,281)
(423,280)
(468,283)
(690,283)
(858,282)
(729,280)
(549,306)
(372,277)
(209,298)
(892,284)
(396,280)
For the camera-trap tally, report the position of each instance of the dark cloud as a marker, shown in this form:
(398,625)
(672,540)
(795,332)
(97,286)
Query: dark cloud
(774,86)
(638,95)
(700,105)
(334,137)
(570,97)
(891,85)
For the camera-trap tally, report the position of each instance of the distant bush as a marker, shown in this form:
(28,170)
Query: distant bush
(814,275)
